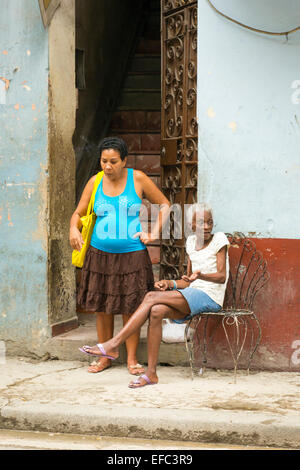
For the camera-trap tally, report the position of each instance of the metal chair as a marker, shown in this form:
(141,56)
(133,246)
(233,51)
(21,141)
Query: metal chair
(248,274)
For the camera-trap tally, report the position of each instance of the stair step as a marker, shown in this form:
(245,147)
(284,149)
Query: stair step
(140,100)
(116,131)
(149,46)
(142,142)
(145,152)
(143,82)
(132,91)
(142,120)
(145,63)
(149,164)
(65,346)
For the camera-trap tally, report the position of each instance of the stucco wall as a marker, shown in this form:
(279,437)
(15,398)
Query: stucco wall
(23,175)
(37,173)
(249,140)
(249,131)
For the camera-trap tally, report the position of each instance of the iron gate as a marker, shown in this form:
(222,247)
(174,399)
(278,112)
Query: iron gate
(179,132)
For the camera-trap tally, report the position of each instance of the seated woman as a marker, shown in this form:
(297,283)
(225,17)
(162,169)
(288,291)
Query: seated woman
(202,289)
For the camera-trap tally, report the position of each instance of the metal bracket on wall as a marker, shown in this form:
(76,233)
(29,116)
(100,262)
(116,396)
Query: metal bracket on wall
(48,8)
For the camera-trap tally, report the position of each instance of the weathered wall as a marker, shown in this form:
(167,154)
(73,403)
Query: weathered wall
(62,113)
(249,141)
(37,174)
(23,176)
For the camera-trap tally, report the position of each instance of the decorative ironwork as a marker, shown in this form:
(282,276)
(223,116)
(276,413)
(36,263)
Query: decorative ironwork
(168,5)
(179,153)
(248,274)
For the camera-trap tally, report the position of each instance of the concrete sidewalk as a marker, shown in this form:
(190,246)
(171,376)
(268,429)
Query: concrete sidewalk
(261,409)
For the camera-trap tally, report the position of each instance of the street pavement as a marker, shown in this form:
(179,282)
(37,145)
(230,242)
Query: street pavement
(55,396)
(36,440)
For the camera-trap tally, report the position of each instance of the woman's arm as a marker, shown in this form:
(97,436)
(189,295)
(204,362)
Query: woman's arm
(186,277)
(220,276)
(167,284)
(154,196)
(182,283)
(76,240)
(188,269)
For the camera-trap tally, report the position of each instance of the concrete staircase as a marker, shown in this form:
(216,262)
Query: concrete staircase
(65,346)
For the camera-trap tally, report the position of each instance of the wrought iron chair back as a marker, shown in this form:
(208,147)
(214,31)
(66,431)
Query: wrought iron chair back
(248,273)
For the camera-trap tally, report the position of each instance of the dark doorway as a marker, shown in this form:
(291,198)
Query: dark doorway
(118,81)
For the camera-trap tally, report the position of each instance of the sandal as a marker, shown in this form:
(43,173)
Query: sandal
(85,350)
(98,367)
(137,383)
(136,369)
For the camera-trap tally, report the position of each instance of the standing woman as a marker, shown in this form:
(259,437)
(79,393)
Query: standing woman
(117,271)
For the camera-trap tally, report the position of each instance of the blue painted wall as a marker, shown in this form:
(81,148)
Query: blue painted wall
(23,174)
(249,145)
(249,128)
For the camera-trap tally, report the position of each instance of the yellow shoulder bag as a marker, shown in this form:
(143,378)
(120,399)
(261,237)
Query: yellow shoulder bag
(88,222)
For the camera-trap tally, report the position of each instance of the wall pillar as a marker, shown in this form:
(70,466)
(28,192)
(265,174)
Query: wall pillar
(62,116)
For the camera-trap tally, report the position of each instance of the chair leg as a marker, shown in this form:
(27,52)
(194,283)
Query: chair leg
(189,345)
(235,354)
(205,345)
(252,351)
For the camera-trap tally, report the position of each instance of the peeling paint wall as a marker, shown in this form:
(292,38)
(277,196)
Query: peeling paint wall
(37,173)
(23,175)
(249,140)
(62,112)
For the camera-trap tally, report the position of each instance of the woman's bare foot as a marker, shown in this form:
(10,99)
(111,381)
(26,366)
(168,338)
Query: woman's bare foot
(100,365)
(135,368)
(147,378)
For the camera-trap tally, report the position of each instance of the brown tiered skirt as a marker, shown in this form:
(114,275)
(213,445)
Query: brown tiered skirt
(114,283)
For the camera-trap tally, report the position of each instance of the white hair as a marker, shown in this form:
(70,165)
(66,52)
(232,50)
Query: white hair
(195,208)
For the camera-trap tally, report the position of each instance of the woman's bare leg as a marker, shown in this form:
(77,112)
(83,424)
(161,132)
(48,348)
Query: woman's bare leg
(105,326)
(105,331)
(158,312)
(172,299)
(132,343)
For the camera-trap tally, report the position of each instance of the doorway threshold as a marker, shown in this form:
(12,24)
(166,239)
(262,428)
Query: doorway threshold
(65,346)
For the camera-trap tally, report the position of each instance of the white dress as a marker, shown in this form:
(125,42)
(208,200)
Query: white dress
(205,260)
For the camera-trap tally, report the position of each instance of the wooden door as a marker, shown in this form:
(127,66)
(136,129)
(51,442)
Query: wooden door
(179,133)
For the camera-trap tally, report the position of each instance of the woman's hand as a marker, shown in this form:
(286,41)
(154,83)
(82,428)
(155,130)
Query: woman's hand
(76,240)
(161,285)
(192,277)
(145,237)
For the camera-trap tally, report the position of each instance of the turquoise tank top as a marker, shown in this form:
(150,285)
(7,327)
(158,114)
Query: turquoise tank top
(117,220)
